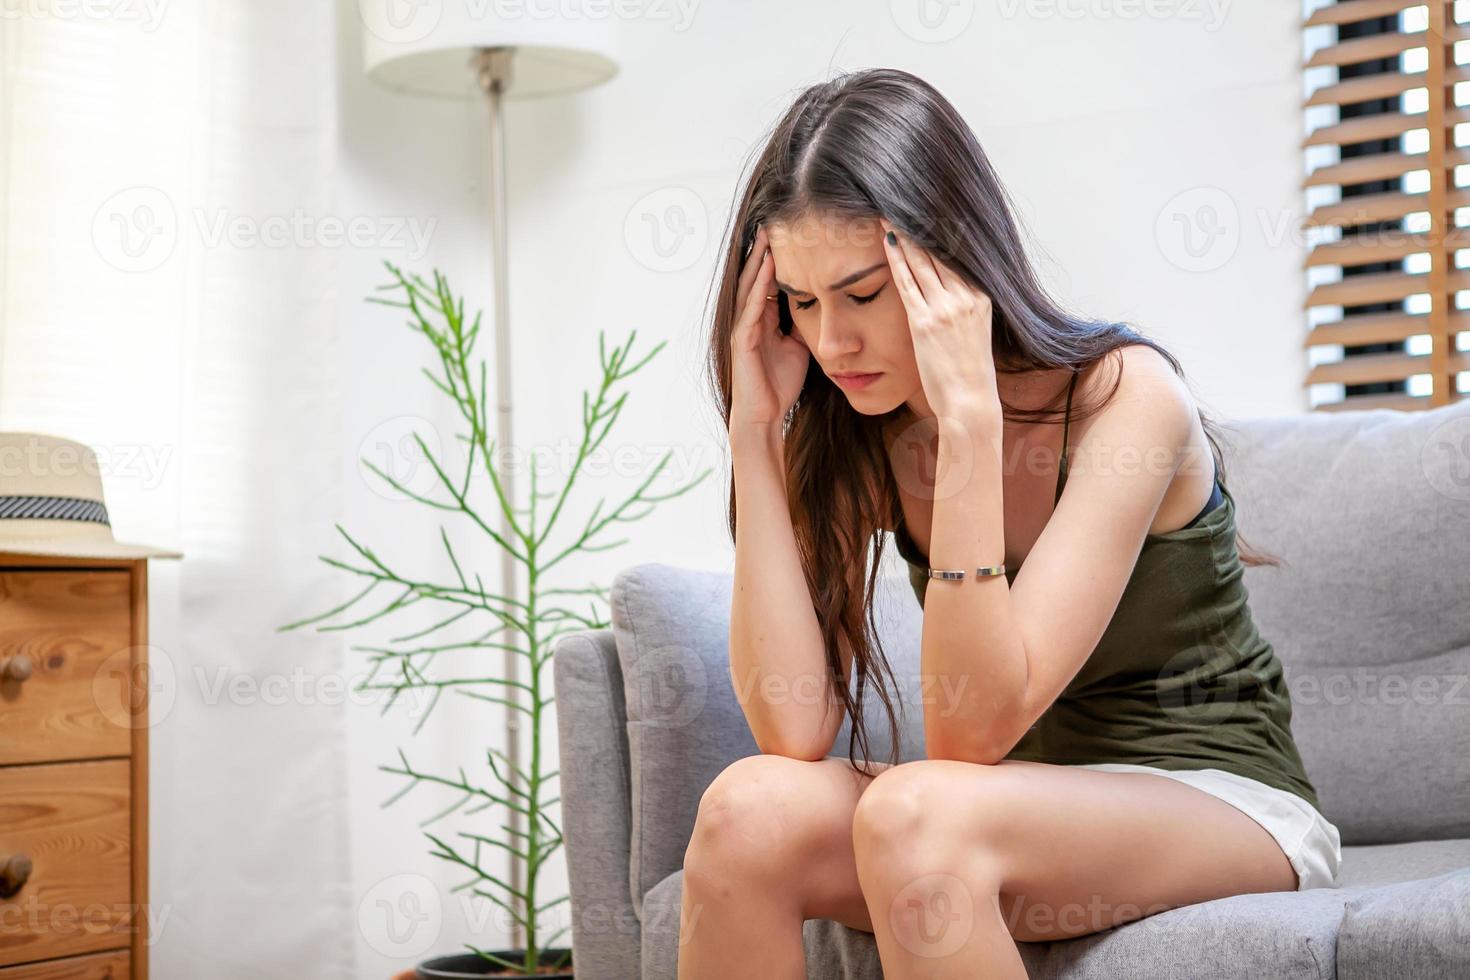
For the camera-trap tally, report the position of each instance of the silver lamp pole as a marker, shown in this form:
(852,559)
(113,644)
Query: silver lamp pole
(509,58)
(493,70)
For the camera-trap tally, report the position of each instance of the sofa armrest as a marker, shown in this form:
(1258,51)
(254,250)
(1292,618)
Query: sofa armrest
(591,722)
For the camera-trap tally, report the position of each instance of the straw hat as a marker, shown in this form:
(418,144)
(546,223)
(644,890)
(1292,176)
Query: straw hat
(51,501)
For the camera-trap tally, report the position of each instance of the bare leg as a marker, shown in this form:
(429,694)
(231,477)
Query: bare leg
(958,861)
(772,847)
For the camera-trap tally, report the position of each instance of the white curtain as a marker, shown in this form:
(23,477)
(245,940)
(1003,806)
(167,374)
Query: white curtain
(168,299)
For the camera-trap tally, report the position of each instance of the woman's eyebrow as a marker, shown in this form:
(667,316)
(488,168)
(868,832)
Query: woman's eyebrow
(840,284)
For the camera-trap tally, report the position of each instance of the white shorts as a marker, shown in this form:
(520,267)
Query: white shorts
(1310,842)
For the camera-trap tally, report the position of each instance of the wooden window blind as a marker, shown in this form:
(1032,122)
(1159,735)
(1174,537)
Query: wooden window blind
(1386,215)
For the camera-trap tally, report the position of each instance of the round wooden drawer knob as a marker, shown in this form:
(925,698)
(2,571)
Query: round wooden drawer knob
(13,874)
(16,668)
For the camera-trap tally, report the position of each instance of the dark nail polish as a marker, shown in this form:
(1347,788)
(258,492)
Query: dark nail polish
(892,238)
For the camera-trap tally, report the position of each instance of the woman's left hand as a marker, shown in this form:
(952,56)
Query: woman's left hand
(950,322)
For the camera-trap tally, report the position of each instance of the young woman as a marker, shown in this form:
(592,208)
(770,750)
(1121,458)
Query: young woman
(1107,735)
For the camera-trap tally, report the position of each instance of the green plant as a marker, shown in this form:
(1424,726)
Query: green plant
(531,625)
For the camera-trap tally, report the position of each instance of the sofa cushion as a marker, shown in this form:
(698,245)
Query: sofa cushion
(1371,512)
(1418,929)
(1387,746)
(1270,934)
(684,725)
(1385,864)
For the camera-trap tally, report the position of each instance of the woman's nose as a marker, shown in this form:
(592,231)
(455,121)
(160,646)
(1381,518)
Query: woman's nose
(835,341)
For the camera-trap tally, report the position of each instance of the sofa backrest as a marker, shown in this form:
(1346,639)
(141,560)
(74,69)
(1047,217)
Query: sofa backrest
(1371,614)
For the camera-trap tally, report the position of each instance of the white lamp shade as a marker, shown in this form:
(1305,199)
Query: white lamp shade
(426,47)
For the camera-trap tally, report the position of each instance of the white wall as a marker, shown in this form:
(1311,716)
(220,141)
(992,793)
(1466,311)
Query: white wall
(1104,126)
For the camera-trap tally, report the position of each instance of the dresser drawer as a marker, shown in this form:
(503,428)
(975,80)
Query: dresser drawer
(97,966)
(72,821)
(67,687)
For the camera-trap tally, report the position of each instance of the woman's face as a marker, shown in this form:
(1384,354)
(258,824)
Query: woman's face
(847,309)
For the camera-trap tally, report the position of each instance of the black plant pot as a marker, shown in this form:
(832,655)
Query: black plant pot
(469,966)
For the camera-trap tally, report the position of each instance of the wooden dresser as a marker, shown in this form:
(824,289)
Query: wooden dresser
(73,768)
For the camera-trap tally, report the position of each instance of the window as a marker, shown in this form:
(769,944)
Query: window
(1385,158)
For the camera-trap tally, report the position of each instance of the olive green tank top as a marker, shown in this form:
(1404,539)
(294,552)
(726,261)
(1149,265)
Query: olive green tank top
(1180,679)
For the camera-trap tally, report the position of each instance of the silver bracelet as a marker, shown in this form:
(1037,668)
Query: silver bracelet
(984,571)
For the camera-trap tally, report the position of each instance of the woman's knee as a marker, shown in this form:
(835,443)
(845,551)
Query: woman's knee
(919,809)
(900,804)
(916,818)
(759,816)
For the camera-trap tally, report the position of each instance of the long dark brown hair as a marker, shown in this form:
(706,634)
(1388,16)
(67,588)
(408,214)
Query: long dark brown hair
(883,142)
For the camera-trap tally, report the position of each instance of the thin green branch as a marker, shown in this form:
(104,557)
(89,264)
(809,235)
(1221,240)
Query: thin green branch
(488,621)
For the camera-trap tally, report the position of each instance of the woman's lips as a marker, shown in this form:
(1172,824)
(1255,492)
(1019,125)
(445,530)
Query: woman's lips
(857,381)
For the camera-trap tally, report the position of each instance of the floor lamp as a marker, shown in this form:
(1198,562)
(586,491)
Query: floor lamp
(454,51)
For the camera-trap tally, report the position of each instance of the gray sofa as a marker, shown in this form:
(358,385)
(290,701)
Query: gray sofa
(1371,618)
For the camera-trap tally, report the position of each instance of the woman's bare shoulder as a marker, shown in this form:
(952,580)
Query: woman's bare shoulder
(1141,374)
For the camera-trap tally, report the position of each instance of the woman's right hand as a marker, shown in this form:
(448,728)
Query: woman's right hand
(767,367)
